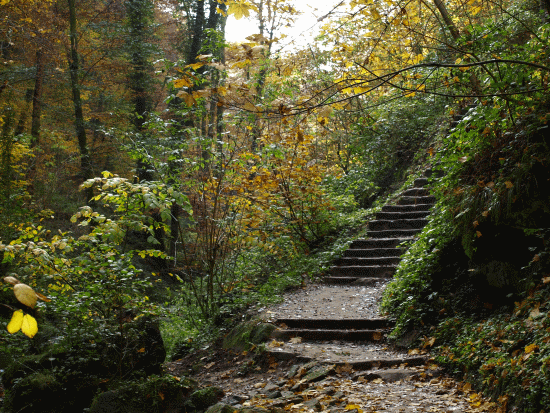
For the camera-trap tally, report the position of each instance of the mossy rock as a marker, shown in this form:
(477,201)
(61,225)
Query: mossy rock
(220,408)
(204,398)
(152,395)
(247,334)
(37,392)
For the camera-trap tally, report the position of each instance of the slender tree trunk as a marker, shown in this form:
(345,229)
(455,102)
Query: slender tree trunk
(20,129)
(198,33)
(447,19)
(85,163)
(37,100)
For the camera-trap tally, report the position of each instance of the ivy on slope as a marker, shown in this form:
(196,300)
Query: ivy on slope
(410,298)
(507,355)
(441,289)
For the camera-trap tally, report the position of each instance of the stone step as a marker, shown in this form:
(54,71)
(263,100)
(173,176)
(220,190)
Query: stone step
(333,334)
(367,261)
(335,324)
(415,192)
(420,182)
(374,252)
(416,200)
(361,271)
(407,208)
(367,364)
(362,281)
(371,243)
(397,233)
(402,215)
(397,224)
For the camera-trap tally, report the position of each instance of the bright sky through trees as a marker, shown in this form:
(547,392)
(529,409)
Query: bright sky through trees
(302,31)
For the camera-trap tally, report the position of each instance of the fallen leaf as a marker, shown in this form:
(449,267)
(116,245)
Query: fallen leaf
(530,348)
(429,342)
(296,340)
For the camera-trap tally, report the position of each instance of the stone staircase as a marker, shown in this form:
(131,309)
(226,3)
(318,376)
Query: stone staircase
(368,262)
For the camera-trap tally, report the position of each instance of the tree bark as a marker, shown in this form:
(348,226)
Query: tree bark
(85,163)
(37,100)
(447,19)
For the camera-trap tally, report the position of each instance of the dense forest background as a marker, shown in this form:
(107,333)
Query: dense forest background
(151,171)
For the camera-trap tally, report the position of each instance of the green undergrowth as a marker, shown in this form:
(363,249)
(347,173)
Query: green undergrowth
(507,356)
(261,280)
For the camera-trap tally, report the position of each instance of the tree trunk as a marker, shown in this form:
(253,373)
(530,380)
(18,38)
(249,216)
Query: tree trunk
(447,19)
(37,100)
(85,163)
(198,33)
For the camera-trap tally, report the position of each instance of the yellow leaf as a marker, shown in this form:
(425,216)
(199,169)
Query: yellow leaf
(530,348)
(189,99)
(508,184)
(16,321)
(220,11)
(141,350)
(25,295)
(195,66)
(182,83)
(240,9)
(29,326)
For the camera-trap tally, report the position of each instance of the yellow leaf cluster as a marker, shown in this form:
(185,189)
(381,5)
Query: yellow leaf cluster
(24,322)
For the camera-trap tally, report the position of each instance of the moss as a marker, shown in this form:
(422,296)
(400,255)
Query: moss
(204,398)
(152,395)
(247,334)
(37,392)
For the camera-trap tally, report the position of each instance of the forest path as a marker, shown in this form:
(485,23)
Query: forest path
(329,352)
(330,376)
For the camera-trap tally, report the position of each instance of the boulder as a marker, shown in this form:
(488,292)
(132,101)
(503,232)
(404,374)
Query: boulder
(247,334)
(220,408)
(203,398)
